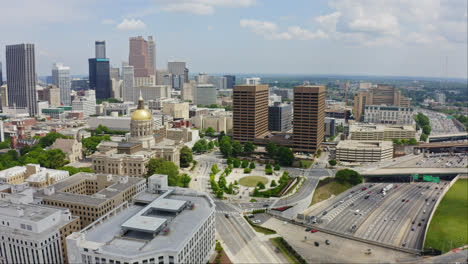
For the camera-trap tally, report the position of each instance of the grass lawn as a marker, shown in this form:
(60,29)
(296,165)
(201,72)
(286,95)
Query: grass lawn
(252,181)
(290,257)
(326,191)
(450,221)
(306,163)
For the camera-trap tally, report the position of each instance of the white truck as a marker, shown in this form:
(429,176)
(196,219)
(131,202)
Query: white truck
(387,188)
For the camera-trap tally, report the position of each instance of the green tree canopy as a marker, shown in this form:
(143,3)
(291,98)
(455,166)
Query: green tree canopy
(249,147)
(332,162)
(348,176)
(90,143)
(209,132)
(185,157)
(50,138)
(162,166)
(285,156)
(271,149)
(236,148)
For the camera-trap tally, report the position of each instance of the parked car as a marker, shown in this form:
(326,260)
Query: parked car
(327,242)
(308,229)
(251,216)
(316,243)
(314,231)
(226,215)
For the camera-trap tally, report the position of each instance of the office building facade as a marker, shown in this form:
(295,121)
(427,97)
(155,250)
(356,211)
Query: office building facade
(309,118)
(250,111)
(100,49)
(230,81)
(21,76)
(99,77)
(393,115)
(280,117)
(51,94)
(85,104)
(152,54)
(128,83)
(61,79)
(205,94)
(139,57)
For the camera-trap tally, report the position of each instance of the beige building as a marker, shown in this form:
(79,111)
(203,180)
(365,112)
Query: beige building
(50,94)
(4,95)
(188,90)
(176,109)
(90,195)
(143,81)
(71,147)
(34,174)
(179,134)
(364,151)
(219,122)
(380,132)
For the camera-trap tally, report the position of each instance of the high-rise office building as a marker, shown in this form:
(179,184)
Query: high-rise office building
(128,82)
(61,79)
(152,54)
(280,117)
(205,94)
(222,83)
(250,111)
(176,67)
(51,94)
(138,57)
(21,76)
(99,73)
(361,99)
(1,74)
(309,118)
(230,81)
(115,73)
(100,49)
(4,95)
(253,80)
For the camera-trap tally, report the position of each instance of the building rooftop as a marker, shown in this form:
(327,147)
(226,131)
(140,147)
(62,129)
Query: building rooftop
(357,144)
(378,127)
(156,227)
(13,171)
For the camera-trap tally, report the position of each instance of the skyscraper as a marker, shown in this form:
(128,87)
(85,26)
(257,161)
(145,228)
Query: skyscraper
(128,82)
(21,76)
(152,54)
(139,58)
(250,111)
(100,49)
(61,79)
(230,81)
(115,73)
(177,70)
(1,74)
(205,94)
(309,118)
(99,73)
(280,117)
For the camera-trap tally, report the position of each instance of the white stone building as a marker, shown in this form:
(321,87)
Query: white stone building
(364,151)
(61,79)
(394,115)
(85,104)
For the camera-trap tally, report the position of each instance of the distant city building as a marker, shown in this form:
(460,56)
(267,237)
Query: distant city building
(139,57)
(219,121)
(365,85)
(160,77)
(114,73)
(381,132)
(85,104)
(128,83)
(4,95)
(167,225)
(79,84)
(309,118)
(230,81)
(99,73)
(152,54)
(440,98)
(253,81)
(222,83)
(330,126)
(1,74)
(205,94)
(100,46)
(21,76)
(280,117)
(176,67)
(364,151)
(394,115)
(152,91)
(188,90)
(176,109)
(361,99)
(61,79)
(250,111)
(177,71)
(203,78)
(285,93)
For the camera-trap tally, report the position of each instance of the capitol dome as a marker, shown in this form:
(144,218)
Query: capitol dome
(141,113)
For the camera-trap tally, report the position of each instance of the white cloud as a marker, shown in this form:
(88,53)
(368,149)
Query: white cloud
(108,21)
(200,7)
(131,24)
(270,30)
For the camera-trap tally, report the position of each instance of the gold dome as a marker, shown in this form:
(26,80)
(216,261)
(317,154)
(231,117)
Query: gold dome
(141,114)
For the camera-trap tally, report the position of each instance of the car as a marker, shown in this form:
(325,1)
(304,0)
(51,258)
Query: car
(385,219)
(423,219)
(195,179)
(396,186)
(265,205)
(369,191)
(327,242)
(419,187)
(256,221)
(419,224)
(427,199)
(412,229)
(407,201)
(363,189)
(433,200)
(316,243)
(437,187)
(403,200)
(428,187)
(308,229)
(335,206)
(413,222)
(226,215)
(314,231)
(251,216)
(312,217)
(352,191)
(324,213)
(404,245)
(352,204)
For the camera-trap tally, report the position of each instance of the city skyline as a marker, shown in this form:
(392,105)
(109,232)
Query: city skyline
(376,38)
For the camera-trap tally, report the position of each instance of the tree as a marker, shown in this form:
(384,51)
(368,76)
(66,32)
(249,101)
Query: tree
(247,170)
(24,150)
(271,149)
(72,170)
(252,165)
(200,146)
(225,147)
(396,141)
(273,183)
(90,143)
(211,145)
(209,132)
(261,185)
(256,192)
(426,129)
(185,157)
(319,152)
(277,167)
(236,163)
(412,141)
(221,135)
(50,138)
(268,166)
(332,162)
(249,148)
(236,148)
(285,156)
(229,160)
(161,166)
(423,137)
(245,164)
(220,194)
(5,144)
(185,180)
(348,176)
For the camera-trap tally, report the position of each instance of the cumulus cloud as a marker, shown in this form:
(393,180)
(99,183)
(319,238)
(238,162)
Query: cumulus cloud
(131,24)
(200,7)
(270,30)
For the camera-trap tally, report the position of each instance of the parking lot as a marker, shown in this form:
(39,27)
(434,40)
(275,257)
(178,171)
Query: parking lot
(397,218)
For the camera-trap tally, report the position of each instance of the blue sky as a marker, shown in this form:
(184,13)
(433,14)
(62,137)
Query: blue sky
(353,37)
